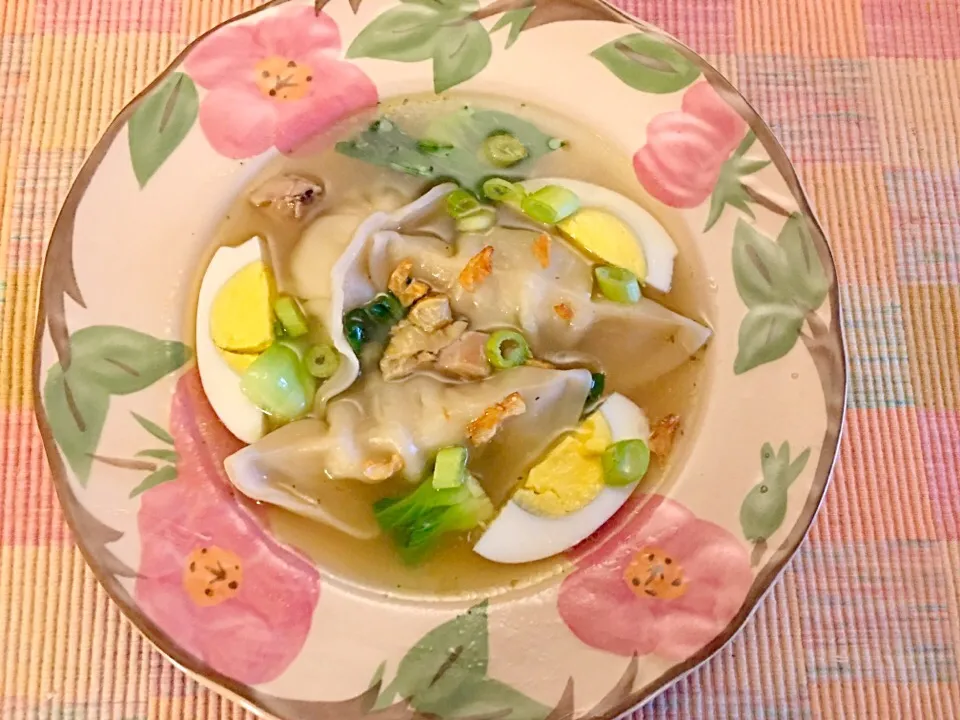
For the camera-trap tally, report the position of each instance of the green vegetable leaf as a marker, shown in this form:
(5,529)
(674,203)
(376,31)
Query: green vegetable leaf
(646,63)
(151,427)
(461,52)
(160,123)
(76,411)
(516,19)
(167,455)
(760,268)
(157,477)
(805,271)
(451,148)
(410,32)
(444,659)
(767,333)
(123,361)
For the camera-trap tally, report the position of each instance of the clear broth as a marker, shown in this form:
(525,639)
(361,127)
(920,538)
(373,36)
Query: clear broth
(455,570)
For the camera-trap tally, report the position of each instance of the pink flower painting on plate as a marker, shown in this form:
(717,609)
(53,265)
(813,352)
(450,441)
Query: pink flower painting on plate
(210,575)
(275,83)
(686,149)
(662,582)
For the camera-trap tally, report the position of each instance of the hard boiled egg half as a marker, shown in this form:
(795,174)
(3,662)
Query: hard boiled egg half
(617,231)
(234,325)
(564,498)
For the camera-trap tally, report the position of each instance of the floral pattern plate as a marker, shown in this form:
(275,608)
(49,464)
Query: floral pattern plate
(136,450)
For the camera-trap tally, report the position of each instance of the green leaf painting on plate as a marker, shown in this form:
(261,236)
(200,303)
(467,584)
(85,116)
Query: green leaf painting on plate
(445,675)
(765,507)
(160,123)
(647,63)
(440,30)
(782,283)
(515,20)
(106,360)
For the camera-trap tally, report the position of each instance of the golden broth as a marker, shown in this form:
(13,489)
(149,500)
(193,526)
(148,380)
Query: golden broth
(454,570)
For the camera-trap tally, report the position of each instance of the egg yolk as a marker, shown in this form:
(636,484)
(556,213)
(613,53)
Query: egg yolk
(241,320)
(571,475)
(607,238)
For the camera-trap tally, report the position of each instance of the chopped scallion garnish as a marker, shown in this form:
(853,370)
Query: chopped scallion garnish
(356,327)
(503,150)
(480,220)
(277,383)
(450,468)
(385,309)
(550,204)
(504,191)
(617,284)
(460,203)
(322,361)
(625,462)
(597,382)
(507,349)
(291,316)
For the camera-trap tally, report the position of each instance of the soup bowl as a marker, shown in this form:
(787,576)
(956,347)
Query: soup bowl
(210,579)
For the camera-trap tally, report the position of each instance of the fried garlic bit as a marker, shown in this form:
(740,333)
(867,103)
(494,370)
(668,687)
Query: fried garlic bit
(483,428)
(378,471)
(477,269)
(563,311)
(541,250)
(401,284)
(663,434)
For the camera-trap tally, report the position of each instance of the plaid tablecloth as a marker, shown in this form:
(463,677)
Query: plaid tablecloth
(865,95)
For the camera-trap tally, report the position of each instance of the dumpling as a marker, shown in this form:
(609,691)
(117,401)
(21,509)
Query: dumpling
(635,344)
(383,429)
(347,285)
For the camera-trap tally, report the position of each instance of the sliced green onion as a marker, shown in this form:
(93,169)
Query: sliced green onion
(460,203)
(625,462)
(385,308)
(550,204)
(322,361)
(291,316)
(480,220)
(276,383)
(507,349)
(450,469)
(500,190)
(617,284)
(356,328)
(597,383)
(504,150)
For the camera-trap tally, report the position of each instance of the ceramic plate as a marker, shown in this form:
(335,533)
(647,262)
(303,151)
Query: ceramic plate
(136,452)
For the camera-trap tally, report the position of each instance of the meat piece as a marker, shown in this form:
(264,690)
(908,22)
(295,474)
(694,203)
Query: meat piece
(466,358)
(401,284)
(288,194)
(663,434)
(482,429)
(411,348)
(431,313)
(477,269)
(396,367)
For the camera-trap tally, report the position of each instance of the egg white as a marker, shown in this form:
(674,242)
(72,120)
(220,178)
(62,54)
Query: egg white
(220,383)
(517,536)
(658,247)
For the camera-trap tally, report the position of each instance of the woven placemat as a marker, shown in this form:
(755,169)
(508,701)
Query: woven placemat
(864,94)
